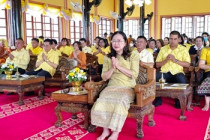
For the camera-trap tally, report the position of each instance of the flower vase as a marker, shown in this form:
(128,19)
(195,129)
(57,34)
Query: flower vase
(76,86)
(8,74)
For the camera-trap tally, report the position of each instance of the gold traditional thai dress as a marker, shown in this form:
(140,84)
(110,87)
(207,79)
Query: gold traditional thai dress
(111,108)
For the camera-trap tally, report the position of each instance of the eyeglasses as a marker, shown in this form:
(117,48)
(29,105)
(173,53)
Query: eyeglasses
(116,41)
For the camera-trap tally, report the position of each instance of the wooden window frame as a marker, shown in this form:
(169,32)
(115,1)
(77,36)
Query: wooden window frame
(6,25)
(193,23)
(127,19)
(101,29)
(73,39)
(33,23)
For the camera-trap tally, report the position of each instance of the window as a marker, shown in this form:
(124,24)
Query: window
(146,29)
(177,24)
(3,27)
(105,26)
(187,24)
(207,23)
(199,25)
(131,27)
(166,27)
(76,30)
(192,26)
(41,25)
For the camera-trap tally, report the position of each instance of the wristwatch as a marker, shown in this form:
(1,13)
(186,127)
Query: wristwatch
(177,60)
(47,60)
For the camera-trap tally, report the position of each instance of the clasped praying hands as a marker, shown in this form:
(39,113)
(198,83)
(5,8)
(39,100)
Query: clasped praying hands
(115,63)
(171,57)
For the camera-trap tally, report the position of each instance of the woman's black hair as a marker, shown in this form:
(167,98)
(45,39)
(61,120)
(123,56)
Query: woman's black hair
(79,45)
(126,52)
(166,38)
(65,39)
(105,41)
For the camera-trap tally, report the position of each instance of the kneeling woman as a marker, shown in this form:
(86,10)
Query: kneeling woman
(121,68)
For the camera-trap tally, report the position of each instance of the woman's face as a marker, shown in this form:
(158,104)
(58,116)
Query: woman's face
(166,41)
(152,45)
(64,43)
(76,47)
(118,43)
(158,44)
(101,43)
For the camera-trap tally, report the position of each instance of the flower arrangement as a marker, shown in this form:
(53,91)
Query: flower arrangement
(8,67)
(76,75)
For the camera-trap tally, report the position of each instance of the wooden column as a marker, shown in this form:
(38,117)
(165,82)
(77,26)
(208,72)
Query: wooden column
(86,19)
(121,14)
(16,18)
(141,27)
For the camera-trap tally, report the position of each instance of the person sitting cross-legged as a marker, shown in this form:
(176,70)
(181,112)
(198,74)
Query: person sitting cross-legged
(20,57)
(47,61)
(171,59)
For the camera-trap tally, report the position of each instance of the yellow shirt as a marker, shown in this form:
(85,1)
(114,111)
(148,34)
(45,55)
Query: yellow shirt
(53,57)
(205,55)
(150,50)
(67,50)
(35,51)
(118,78)
(58,52)
(101,56)
(21,58)
(108,49)
(188,46)
(180,53)
(86,49)
(93,49)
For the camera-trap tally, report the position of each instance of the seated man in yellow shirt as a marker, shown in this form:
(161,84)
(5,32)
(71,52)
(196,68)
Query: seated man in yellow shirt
(146,57)
(20,57)
(34,49)
(171,59)
(47,61)
(85,48)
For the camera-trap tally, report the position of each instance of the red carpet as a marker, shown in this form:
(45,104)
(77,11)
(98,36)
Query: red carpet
(168,126)
(35,120)
(207,136)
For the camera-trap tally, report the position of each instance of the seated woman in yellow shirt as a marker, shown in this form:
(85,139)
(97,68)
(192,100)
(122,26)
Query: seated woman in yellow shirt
(66,48)
(101,52)
(204,64)
(79,55)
